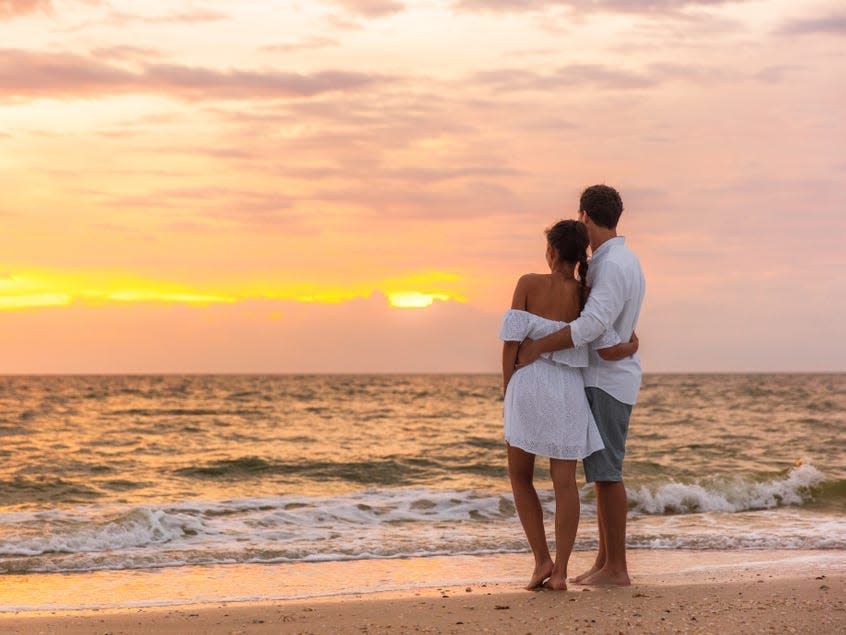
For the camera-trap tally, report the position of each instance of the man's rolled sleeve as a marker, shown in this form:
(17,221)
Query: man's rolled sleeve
(604,304)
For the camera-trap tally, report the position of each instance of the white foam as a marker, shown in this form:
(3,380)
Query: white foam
(399,523)
(727,495)
(139,527)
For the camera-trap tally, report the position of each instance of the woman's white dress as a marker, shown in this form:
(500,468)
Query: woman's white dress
(546,410)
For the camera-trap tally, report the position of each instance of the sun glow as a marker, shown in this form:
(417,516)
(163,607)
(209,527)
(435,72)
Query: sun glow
(44,289)
(26,301)
(414,299)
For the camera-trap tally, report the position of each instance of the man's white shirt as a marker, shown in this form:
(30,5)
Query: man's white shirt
(617,290)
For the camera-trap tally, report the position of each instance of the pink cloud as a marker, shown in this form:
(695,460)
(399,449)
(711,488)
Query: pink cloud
(38,74)
(300,45)
(372,8)
(175,17)
(13,8)
(645,7)
(834,24)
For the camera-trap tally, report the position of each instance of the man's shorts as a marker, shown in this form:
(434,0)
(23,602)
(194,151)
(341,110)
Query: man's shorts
(612,419)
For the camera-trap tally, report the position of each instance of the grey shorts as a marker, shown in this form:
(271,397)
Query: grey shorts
(612,419)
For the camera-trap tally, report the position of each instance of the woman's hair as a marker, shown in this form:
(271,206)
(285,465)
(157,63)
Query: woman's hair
(570,239)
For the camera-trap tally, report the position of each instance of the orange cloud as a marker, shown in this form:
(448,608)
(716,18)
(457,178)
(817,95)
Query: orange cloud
(363,335)
(12,8)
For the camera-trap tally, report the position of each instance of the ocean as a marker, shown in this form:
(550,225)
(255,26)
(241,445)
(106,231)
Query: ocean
(127,473)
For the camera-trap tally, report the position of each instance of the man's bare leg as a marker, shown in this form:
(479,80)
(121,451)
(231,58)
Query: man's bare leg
(563,475)
(599,561)
(613,507)
(521,468)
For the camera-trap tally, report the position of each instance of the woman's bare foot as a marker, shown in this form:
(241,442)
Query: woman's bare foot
(580,579)
(541,573)
(556,582)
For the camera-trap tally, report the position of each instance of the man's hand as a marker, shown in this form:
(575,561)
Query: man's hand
(634,341)
(528,352)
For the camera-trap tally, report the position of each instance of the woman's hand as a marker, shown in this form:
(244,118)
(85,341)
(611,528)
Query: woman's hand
(634,340)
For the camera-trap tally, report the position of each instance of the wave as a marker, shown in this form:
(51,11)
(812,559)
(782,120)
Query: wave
(409,522)
(721,494)
(139,527)
(23,489)
(389,471)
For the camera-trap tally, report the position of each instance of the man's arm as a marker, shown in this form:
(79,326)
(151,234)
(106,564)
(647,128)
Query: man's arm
(605,302)
(530,350)
(619,351)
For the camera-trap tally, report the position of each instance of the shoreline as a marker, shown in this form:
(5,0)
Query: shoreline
(798,604)
(206,585)
(706,591)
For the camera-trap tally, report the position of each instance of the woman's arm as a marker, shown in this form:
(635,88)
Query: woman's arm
(509,349)
(620,351)
(509,359)
(521,293)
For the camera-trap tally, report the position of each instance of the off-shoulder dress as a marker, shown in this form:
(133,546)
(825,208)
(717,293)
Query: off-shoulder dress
(546,411)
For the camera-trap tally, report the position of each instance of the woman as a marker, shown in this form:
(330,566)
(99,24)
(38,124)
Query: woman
(546,411)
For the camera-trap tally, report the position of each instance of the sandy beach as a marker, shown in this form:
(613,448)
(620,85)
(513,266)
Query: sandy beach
(684,592)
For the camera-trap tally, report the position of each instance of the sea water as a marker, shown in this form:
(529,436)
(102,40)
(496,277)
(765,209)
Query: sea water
(129,473)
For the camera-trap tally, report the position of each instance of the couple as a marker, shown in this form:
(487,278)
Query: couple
(571,376)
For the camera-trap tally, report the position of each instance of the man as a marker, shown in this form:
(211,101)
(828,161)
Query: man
(617,290)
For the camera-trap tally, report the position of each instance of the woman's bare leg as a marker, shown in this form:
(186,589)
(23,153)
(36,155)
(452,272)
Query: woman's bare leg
(563,475)
(521,469)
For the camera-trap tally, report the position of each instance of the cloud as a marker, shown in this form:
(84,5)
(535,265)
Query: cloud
(39,74)
(14,8)
(199,83)
(371,8)
(647,7)
(574,75)
(251,336)
(301,45)
(220,207)
(125,53)
(608,78)
(831,24)
(23,73)
(195,16)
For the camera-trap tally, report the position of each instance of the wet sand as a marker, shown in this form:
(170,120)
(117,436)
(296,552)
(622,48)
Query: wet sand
(687,592)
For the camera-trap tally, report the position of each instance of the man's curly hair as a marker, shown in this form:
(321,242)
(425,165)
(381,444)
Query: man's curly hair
(603,204)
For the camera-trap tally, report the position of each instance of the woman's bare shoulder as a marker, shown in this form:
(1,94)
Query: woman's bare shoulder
(531,279)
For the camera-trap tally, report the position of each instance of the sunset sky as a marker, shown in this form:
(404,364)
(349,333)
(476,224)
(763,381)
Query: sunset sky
(356,185)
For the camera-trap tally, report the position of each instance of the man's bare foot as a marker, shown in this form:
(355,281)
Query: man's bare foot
(579,579)
(556,582)
(541,573)
(606,578)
